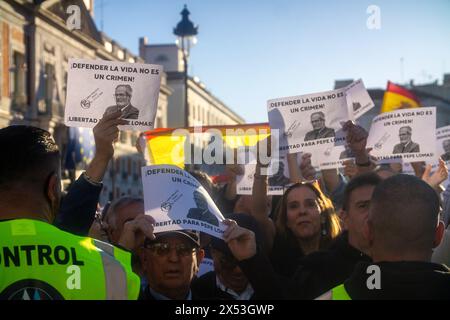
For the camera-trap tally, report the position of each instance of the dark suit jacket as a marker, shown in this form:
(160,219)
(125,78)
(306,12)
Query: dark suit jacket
(319,134)
(129,112)
(408,148)
(203,215)
(206,288)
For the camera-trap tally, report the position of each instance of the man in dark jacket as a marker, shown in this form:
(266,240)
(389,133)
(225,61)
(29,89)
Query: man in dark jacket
(227,281)
(403,228)
(317,272)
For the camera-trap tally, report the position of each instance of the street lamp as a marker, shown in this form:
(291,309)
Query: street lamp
(185,32)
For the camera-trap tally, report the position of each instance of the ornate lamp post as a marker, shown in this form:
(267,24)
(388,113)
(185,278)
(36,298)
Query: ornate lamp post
(185,32)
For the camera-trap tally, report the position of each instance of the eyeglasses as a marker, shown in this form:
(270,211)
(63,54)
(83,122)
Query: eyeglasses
(163,249)
(120,95)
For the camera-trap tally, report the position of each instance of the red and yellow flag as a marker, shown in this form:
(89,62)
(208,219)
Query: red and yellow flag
(397,97)
(166,145)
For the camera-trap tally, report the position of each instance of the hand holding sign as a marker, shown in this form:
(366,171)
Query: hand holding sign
(306,168)
(356,138)
(135,232)
(106,132)
(439,176)
(241,241)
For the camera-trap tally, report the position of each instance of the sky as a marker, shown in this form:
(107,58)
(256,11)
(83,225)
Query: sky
(250,51)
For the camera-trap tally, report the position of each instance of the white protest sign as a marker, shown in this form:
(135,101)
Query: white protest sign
(333,157)
(278,177)
(207,265)
(176,201)
(443,144)
(404,135)
(309,121)
(358,99)
(98,87)
(442,150)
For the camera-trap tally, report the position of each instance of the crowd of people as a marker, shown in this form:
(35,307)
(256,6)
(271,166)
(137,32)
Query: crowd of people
(369,232)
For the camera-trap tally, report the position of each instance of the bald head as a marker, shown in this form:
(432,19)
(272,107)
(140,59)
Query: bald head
(403,217)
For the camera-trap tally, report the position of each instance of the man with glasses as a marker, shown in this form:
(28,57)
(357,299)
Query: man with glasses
(227,281)
(319,131)
(406,145)
(170,262)
(123,102)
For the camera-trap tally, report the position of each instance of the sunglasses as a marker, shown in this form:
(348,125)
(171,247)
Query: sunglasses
(164,249)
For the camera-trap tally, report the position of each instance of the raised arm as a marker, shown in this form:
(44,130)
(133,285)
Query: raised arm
(78,207)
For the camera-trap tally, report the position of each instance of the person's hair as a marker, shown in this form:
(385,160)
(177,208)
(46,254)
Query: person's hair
(127,87)
(366,179)
(111,213)
(320,113)
(404,213)
(408,128)
(330,229)
(29,156)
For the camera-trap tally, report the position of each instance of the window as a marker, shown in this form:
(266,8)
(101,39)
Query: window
(120,54)
(19,83)
(161,58)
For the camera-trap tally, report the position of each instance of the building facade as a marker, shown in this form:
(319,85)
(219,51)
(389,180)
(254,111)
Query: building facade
(36,42)
(204,108)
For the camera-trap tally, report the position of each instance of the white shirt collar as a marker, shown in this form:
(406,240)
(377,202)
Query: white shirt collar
(245,295)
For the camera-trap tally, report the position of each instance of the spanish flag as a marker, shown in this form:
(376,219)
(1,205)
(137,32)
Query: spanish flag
(166,145)
(397,97)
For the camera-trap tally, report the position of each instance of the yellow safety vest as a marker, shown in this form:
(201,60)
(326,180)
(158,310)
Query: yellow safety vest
(339,293)
(40,262)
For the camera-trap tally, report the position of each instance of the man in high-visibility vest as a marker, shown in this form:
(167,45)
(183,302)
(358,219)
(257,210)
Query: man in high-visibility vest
(37,260)
(403,227)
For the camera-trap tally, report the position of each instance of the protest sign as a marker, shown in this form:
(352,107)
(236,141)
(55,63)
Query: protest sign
(404,135)
(333,157)
(442,150)
(176,201)
(98,87)
(315,120)
(207,265)
(278,176)
(358,99)
(443,144)
(309,121)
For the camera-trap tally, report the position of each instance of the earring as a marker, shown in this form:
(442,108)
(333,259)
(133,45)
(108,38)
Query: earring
(324,228)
